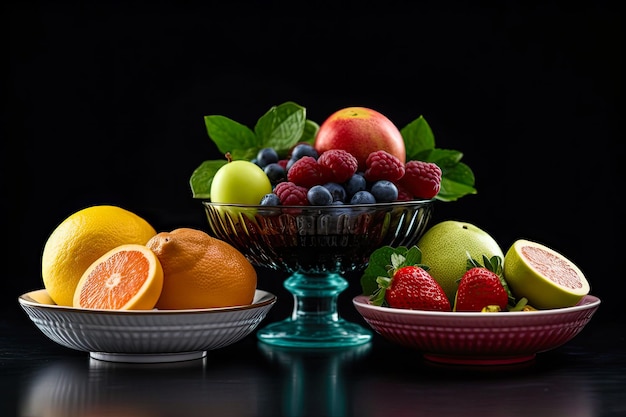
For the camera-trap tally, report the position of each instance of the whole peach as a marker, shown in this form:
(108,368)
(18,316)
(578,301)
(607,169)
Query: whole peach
(360,131)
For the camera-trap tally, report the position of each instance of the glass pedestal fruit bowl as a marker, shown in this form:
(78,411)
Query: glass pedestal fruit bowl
(317,246)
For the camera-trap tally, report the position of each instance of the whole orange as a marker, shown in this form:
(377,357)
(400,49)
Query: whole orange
(360,131)
(200,271)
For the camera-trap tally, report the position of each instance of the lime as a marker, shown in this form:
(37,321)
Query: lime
(240,182)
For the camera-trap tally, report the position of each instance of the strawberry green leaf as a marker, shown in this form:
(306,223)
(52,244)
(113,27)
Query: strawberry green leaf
(378,296)
(414,257)
(493,264)
(377,266)
(519,306)
(383,263)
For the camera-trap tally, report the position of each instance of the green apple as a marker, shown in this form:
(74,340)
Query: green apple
(445,248)
(240,182)
(360,131)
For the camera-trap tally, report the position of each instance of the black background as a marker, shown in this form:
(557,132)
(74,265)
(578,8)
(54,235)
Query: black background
(105,105)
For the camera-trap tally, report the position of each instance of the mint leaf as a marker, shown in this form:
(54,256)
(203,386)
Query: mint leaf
(229,135)
(202,178)
(457,179)
(310,131)
(457,183)
(452,191)
(418,137)
(280,128)
(445,158)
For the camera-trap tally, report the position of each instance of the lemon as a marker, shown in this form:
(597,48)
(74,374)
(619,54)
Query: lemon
(445,247)
(81,239)
(545,277)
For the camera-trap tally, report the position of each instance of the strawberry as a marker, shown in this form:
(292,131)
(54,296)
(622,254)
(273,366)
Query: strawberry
(412,287)
(481,289)
(407,285)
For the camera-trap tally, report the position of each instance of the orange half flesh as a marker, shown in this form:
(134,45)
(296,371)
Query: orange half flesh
(128,277)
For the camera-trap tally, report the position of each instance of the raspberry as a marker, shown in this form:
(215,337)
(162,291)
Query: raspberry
(381,165)
(341,164)
(422,179)
(306,172)
(291,194)
(403,193)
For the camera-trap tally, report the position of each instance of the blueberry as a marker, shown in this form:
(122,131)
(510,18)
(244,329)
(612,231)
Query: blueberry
(384,191)
(362,197)
(318,195)
(275,173)
(303,149)
(266,156)
(270,199)
(355,184)
(337,191)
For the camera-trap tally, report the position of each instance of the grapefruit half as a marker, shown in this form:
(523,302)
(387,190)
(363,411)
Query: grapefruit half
(545,277)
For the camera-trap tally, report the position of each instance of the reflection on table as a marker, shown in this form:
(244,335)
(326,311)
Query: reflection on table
(264,380)
(512,391)
(69,388)
(314,382)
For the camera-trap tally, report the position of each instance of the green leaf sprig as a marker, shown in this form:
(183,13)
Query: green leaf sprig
(285,125)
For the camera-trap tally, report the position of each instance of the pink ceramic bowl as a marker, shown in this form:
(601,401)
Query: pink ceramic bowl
(478,338)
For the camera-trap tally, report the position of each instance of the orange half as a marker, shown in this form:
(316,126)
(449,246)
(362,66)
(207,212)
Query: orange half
(128,277)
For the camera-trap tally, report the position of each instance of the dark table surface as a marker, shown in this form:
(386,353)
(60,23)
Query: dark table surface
(583,378)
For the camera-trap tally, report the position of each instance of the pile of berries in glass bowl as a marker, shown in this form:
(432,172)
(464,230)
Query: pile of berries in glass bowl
(334,177)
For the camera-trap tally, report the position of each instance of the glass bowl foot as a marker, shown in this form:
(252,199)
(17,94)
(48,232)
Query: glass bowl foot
(291,333)
(315,322)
